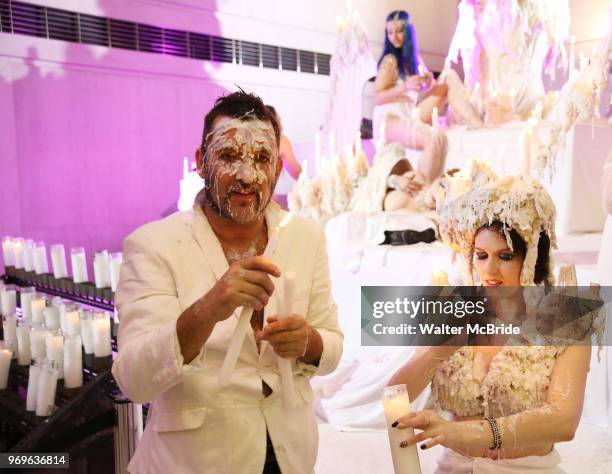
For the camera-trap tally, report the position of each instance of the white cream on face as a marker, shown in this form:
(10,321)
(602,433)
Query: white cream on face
(245,151)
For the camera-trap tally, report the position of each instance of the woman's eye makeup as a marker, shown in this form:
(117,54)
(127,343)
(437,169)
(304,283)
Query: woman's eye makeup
(481,255)
(507,256)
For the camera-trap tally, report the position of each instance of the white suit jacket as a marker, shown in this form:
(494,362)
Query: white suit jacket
(195,426)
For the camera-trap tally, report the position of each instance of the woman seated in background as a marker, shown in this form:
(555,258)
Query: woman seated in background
(400,87)
(530,395)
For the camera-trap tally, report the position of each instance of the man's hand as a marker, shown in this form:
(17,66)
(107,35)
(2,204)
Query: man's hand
(288,336)
(246,283)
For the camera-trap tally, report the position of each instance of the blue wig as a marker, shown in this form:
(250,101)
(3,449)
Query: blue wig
(407,56)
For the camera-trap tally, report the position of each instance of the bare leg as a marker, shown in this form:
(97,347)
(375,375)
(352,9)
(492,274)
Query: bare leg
(458,100)
(436,97)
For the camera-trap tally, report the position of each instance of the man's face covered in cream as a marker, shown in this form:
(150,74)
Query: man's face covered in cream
(240,167)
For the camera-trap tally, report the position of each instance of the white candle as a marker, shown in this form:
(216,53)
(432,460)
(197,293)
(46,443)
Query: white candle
(58,261)
(73,362)
(9,326)
(47,386)
(79,264)
(572,58)
(28,255)
(38,303)
(73,319)
(86,330)
(101,334)
(33,377)
(25,300)
(52,317)
(6,354)
(285,365)
(434,119)
(23,343)
(38,343)
(115,261)
(9,299)
(526,165)
(8,256)
(101,270)
(55,350)
(396,404)
(233,351)
(41,264)
(18,245)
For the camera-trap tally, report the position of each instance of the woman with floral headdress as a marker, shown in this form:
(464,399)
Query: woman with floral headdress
(509,403)
(403,83)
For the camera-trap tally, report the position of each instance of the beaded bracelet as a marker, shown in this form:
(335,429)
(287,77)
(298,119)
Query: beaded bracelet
(497,441)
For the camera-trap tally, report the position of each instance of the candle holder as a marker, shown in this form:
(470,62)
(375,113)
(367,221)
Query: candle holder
(38,344)
(73,362)
(6,355)
(24,356)
(8,299)
(101,331)
(9,328)
(87,331)
(26,294)
(47,388)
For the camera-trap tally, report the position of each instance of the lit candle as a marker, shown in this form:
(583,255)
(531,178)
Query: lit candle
(8,255)
(101,334)
(86,331)
(41,264)
(572,58)
(47,386)
(28,255)
(185,167)
(439,279)
(33,377)
(23,343)
(233,351)
(79,264)
(38,303)
(115,261)
(25,297)
(73,362)
(6,354)
(526,165)
(18,251)
(58,261)
(73,319)
(9,327)
(285,365)
(38,343)
(101,270)
(434,119)
(396,404)
(421,70)
(52,317)
(55,350)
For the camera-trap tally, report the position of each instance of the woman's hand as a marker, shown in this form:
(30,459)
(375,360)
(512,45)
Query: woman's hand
(415,83)
(435,430)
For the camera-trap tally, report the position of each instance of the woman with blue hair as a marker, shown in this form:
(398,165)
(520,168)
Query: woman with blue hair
(405,96)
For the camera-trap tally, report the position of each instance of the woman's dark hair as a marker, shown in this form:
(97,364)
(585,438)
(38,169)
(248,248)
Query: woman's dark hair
(520,248)
(407,56)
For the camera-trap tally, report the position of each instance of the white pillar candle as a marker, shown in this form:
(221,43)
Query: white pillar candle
(73,319)
(73,362)
(55,350)
(244,323)
(86,330)
(115,260)
(47,386)
(285,366)
(79,264)
(6,354)
(52,317)
(62,310)
(23,343)
(28,255)
(58,261)
(38,304)
(101,270)
(434,119)
(18,245)
(33,377)
(25,300)
(41,264)
(9,326)
(9,299)
(38,343)
(396,404)
(8,256)
(101,334)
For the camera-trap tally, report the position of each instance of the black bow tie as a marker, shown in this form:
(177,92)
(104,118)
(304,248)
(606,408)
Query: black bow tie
(408,237)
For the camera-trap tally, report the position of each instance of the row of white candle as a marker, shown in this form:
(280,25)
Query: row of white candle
(30,256)
(351,152)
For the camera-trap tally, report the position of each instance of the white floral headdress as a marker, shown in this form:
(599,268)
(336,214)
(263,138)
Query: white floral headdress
(475,197)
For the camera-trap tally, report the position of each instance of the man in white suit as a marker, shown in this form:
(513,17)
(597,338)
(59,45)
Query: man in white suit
(183,283)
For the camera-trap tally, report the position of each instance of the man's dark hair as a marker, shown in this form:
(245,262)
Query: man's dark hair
(240,105)
(541,271)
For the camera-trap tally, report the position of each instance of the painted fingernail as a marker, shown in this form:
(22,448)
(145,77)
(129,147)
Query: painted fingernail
(423,446)
(403,444)
(394,424)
